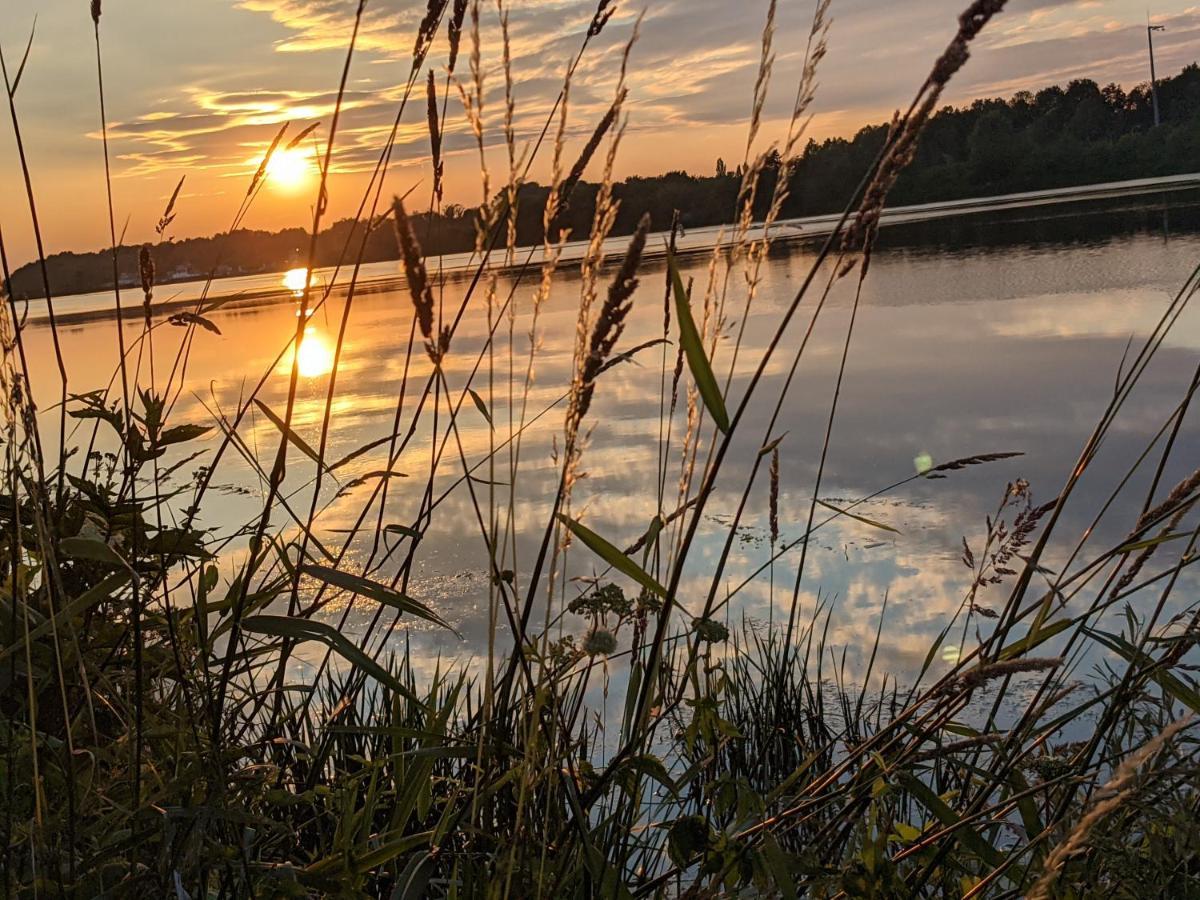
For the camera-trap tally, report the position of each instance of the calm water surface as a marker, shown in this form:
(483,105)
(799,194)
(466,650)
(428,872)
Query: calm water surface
(996,332)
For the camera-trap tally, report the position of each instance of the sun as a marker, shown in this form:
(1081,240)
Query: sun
(291,168)
(295,280)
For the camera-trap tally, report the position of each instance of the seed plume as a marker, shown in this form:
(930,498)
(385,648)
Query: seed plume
(610,324)
(417,277)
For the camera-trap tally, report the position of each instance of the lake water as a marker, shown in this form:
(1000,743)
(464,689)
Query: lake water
(998,331)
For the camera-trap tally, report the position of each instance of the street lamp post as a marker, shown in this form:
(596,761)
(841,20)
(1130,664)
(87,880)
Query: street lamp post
(1150,29)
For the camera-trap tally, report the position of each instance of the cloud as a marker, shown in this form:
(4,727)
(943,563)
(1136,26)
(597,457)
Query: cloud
(692,69)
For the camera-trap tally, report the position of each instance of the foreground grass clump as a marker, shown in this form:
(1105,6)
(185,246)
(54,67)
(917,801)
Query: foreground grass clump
(156,739)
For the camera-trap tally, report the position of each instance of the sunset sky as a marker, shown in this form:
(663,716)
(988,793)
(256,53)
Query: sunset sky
(200,88)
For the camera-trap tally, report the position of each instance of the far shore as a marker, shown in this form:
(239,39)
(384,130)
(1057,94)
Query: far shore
(462,267)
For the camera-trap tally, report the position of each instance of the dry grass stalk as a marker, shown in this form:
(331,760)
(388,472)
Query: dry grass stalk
(1183,490)
(510,138)
(1108,799)
(418,281)
(1181,500)
(435,135)
(473,105)
(585,157)
(766,63)
(168,216)
(266,160)
(603,220)
(815,51)
(774,498)
(427,30)
(610,324)
(982,674)
(971,743)
(604,12)
(146,272)
(454,32)
(905,132)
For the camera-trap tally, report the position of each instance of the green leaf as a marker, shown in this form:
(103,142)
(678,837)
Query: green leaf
(773,445)
(970,839)
(380,593)
(180,433)
(299,442)
(776,862)
(1152,542)
(307,630)
(413,882)
(402,529)
(631,353)
(693,348)
(92,548)
(688,837)
(74,608)
(482,407)
(16,82)
(178,542)
(612,555)
(1034,638)
(863,519)
(1148,665)
(652,767)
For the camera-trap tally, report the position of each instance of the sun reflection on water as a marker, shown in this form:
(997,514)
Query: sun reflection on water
(315,358)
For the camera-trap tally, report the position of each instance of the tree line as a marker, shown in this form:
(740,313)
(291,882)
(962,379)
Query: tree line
(1056,137)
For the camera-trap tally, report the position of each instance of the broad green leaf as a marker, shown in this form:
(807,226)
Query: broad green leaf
(612,555)
(776,862)
(180,433)
(380,593)
(693,348)
(93,549)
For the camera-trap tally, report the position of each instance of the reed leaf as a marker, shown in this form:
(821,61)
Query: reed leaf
(693,347)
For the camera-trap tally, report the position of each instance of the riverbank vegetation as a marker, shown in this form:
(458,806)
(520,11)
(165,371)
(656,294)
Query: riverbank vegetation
(622,735)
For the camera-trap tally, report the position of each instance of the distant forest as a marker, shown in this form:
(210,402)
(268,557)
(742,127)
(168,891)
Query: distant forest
(1057,137)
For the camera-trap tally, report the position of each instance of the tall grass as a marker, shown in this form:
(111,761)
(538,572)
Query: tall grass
(158,742)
